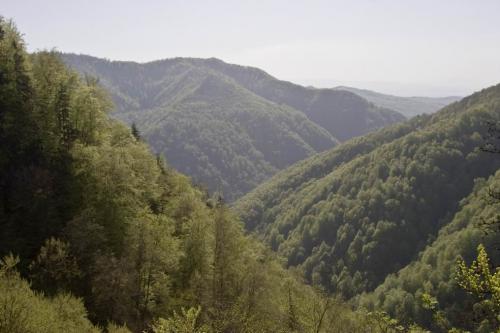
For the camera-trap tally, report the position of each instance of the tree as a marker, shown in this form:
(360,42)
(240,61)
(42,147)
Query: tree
(482,282)
(184,322)
(492,138)
(492,145)
(22,310)
(292,321)
(135,132)
(54,269)
(438,316)
(227,265)
(155,255)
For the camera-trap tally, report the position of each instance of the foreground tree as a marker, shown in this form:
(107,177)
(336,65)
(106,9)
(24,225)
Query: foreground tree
(482,281)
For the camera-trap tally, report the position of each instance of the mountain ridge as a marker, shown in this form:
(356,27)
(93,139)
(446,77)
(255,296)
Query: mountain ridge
(409,106)
(201,112)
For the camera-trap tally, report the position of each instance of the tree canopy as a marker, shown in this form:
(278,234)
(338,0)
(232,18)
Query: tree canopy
(353,216)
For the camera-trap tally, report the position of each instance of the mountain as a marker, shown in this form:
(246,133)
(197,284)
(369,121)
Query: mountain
(351,216)
(344,115)
(97,234)
(229,127)
(408,106)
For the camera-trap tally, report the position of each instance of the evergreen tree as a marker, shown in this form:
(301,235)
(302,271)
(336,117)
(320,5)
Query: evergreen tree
(135,132)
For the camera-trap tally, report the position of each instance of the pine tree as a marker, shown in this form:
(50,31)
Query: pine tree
(135,132)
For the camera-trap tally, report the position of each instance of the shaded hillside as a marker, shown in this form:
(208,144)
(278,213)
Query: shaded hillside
(408,106)
(353,215)
(227,126)
(344,115)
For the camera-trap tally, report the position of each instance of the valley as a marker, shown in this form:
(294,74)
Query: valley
(193,195)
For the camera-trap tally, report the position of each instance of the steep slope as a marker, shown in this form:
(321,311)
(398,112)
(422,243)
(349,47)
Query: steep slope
(229,127)
(408,106)
(343,114)
(212,129)
(338,215)
(434,270)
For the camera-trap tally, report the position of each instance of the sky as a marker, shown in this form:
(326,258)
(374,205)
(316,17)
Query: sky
(401,47)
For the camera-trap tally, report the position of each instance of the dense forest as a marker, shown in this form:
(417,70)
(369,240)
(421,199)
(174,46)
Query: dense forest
(382,219)
(408,106)
(99,234)
(393,231)
(229,127)
(433,271)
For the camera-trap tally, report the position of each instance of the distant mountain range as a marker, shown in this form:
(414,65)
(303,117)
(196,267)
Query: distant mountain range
(227,126)
(408,106)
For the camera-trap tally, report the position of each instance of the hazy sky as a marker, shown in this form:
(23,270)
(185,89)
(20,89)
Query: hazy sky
(406,47)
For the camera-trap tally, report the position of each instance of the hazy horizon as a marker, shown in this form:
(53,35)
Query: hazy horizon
(419,48)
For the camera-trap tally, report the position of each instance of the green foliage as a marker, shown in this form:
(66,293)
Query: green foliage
(208,125)
(93,213)
(384,322)
(185,322)
(112,328)
(24,311)
(434,271)
(336,215)
(54,267)
(229,127)
(430,303)
(343,114)
(478,278)
(479,281)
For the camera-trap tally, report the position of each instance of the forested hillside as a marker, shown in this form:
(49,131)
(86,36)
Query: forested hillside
(408,106)
(366,223)
(343,114)
(434,271)
(366,209)
(229,127)
(98,234)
